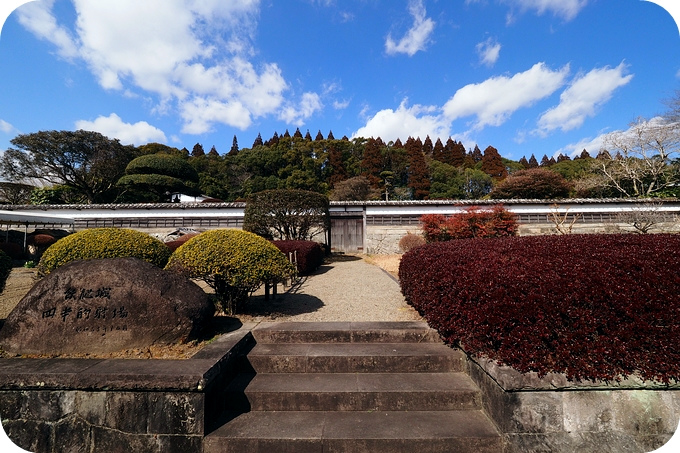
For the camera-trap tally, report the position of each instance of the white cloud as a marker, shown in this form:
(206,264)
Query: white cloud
(488,52)
(6,127)
(585,95)
(418,35)
(38,19)
(297,114)
(592,145)
(187,55)
(567,9)
(415,121)
(113,126)
(496,99)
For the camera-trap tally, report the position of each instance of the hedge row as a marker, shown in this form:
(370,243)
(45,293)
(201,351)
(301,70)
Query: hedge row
(309,254)
(590,306)
(473,222)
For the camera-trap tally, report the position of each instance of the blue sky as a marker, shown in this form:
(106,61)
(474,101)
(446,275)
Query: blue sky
(525,76)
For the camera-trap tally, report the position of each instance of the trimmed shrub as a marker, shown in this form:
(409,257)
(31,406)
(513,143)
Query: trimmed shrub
(98,243)
(309,254)
(534,183)
(287,214)
(5,269)
(411,241)
(472,223)
(232,262)
(590,306)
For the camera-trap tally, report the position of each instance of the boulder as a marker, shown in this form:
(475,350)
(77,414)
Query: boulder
(103,306)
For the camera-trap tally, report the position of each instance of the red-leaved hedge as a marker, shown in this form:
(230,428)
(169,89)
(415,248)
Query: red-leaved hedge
(309,254)
(590,306)
(473,222)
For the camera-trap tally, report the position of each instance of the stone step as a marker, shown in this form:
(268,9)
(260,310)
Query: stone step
(354,432)
(355,358)
(353,392)
(345,332)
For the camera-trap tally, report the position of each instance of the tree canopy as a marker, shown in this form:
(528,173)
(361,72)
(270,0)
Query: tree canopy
(87,162)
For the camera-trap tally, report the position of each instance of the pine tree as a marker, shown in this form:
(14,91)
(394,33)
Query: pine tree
(330,136)
(319,137)
(398,144)
(197,151)
(213,152)
(308,136)
(258,141)
(418,171)
(234,147)
(272,141)
(287,134)
(298,134)
(584,155)
(562,158)
(545,162)
(492,164)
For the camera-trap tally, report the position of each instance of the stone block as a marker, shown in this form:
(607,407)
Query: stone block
(176,413)
(48,406)
(32,435)
(72,435)
(644,412)
(588,411)
(114,441)
(91,407)
(127,412)
(10,405)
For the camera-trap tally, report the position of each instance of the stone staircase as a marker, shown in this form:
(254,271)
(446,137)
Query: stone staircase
(353,387)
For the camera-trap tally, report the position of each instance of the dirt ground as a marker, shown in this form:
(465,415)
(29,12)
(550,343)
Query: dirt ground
(21,280)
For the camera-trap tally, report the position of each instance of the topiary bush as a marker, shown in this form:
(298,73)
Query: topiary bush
(590,306)
(474,222)
(5,269)
(287,214)
(232,262)
(411,241)
(101,243)
(309,254)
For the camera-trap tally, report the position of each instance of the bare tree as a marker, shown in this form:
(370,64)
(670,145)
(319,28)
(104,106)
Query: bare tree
(644,218)
(563,221)
(643,162)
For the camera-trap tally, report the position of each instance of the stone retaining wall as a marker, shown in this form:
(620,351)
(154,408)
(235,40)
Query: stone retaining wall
(552,414)
(118,405)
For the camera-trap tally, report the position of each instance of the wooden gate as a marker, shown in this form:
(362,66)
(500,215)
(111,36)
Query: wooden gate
(347,234)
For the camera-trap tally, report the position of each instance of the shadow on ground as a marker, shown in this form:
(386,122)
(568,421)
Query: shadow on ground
(287,304)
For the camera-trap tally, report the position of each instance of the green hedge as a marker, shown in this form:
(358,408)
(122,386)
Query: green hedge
(100,243)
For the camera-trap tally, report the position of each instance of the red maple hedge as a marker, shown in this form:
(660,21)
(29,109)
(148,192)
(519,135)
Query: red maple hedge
(590,306)
(309,254)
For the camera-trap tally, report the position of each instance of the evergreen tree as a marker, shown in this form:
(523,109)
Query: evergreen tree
(319,137)
(234,147)
(258,141)
(330,135)
(438,151)
(287,134)
(398,144)
(524,162)
(418,171)
(308,136)
(492,164)
(272,141)
(457,155)
(562,158)
(213,152)
(533,163)
(428,148)
(197,151)
(545,162)
(604,154)
(338,172)
(372,162)
(584,155)
(477,154)
(298,134)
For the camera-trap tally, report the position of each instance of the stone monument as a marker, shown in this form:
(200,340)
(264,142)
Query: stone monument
(104,306)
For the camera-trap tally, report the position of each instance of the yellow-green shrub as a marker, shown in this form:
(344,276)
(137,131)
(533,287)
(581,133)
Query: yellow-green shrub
(233,262)
(104,243)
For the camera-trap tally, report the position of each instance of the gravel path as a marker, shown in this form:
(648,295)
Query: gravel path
(347,289)
(344,289)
